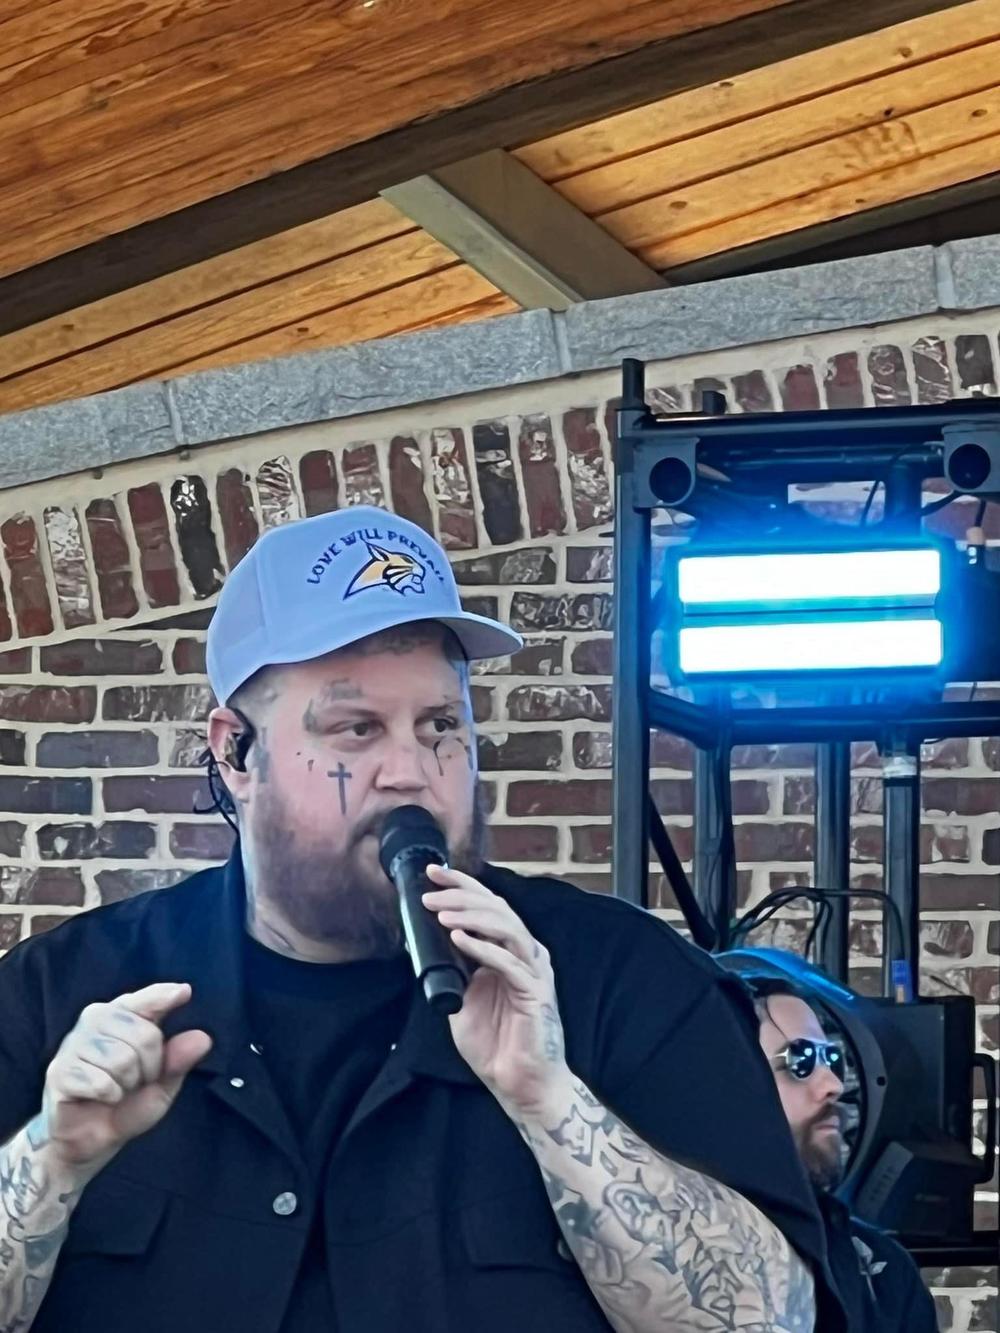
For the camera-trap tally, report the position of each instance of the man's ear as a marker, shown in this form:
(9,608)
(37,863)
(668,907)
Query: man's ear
(228,737)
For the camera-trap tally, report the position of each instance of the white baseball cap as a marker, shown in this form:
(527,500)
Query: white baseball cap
(309,587)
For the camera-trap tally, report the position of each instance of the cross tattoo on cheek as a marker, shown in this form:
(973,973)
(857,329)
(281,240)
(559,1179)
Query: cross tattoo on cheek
(342,776)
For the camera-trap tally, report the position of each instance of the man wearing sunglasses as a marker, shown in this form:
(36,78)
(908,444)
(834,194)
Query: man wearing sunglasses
(878,1280)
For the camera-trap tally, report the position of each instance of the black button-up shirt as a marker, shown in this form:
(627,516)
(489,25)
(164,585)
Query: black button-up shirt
(436,1217)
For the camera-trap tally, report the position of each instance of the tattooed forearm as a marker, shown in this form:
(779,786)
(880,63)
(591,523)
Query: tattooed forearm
(37,1198)
(662,1246)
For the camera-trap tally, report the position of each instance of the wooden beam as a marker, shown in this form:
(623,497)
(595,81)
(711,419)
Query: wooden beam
(507,118)
(515,230)
(975,204)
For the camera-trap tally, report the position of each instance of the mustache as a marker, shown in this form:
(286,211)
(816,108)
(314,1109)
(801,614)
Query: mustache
(374,823)
(831,1112)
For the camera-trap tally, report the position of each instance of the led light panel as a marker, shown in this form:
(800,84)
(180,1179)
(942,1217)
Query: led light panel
(854,645)
(829,578)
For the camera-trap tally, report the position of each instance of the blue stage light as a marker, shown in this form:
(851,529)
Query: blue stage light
(778,613)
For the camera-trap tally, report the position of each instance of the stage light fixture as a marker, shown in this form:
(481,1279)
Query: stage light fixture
(778,613)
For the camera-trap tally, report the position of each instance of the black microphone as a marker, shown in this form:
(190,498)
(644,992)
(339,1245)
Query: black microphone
(411,841)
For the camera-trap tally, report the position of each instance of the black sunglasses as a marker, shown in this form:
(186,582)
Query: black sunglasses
(800,1055)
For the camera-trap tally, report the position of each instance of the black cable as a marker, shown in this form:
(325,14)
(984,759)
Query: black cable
(773,903)
(935,505)
(880,481)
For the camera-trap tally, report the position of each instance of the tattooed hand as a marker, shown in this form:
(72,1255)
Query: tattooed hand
(508,1030)
(113,1077)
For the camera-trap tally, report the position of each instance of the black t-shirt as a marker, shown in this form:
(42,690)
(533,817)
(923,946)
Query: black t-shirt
(877,1278)
(324,1031)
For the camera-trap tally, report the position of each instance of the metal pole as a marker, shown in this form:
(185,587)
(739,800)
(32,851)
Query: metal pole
(714,868)
(833,849)
(630,659)
(901,834)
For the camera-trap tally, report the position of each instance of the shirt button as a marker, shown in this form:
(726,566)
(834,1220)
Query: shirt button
(285,1204)
(236,1083)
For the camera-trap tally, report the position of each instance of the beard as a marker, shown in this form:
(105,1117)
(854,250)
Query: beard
(821,1152)
(345,898)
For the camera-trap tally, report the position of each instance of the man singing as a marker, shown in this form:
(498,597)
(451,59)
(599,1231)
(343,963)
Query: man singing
(227,1105)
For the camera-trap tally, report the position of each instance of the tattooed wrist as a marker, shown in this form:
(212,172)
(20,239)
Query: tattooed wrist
(661,1245)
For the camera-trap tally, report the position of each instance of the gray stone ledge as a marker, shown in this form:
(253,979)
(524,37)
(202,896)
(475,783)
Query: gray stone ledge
(366,377)
(525,348)
(975,272)
(60,438)
(761,307)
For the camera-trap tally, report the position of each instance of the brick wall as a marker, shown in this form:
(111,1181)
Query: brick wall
(107,583)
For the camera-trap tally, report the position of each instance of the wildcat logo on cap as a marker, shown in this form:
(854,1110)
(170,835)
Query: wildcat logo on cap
(387,569)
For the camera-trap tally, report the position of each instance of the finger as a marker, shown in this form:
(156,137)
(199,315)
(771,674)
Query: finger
(112,1022)
(447,877)
(79,1081)
(183,1052)
(156,1001)
(498,960)
(115,1057)
(495,926)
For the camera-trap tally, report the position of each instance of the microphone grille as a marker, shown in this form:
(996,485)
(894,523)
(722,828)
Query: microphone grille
(410,826)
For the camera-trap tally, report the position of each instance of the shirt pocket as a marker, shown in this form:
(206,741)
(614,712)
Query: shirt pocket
(514,1231)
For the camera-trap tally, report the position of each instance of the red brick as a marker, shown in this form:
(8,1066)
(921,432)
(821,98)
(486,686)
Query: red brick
(501,508)
(11,837)
(532,611)
(110,656)
(589,564)
(406,482)
(318,480)
(167,795)
(6,627)
(112,561)
(974,363)
(559,703)
(28,594)
(591,844)
(69,567)
(752,392)
(959,893)
(539,750)
(799,391)
(774,756)
(592,749)
(239,522)
(116,885)
(186,747)
(189,657)
(45,796)
(946,939)
(362,481)
(453,490)
(481,606)
(158,703)
(887,368)
(97,749)
(523,842)
(16,662)
(482,702)
(554,797)
(666,398)
(122,839)
(529,564)
(588,476)
(11,925)
(276,491)
(152,535)
(42,924)
(774,842)
(592,657)
(540,472)
(964,796)
(196,535)
(539,657)
(12,747)
(930,363)
(937,843)
(48,703)
(204,841)
(842,381)
(58,886)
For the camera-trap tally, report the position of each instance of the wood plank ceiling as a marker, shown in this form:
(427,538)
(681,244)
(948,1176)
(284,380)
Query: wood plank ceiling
(112,116)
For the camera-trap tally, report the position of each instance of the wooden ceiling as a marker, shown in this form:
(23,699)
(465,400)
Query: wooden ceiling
(188,183)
